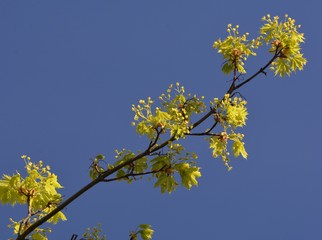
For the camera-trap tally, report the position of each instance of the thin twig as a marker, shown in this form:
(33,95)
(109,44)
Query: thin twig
(203,134)
(261,70)
(152,143)
(133,175)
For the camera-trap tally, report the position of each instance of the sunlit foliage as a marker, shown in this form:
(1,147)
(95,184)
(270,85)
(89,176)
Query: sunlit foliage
(165,125)
(38,190)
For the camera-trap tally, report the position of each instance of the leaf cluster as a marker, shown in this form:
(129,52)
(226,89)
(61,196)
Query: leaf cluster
(144,231)
(283,36)
(173,116)
(231,114)
(94,234)
(172,163)
(38,190)
(235,49)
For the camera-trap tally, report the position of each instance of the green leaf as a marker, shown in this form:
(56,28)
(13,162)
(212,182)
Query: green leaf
(239,148)
(38,236)
(188,174)
(166,182)
(100,157)
(57,217)
(9,190)
(146,231)
(227,68)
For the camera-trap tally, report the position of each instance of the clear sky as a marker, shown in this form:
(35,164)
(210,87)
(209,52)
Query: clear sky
(70,70)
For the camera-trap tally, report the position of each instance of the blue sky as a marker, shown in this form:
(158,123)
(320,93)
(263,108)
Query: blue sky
(70,71)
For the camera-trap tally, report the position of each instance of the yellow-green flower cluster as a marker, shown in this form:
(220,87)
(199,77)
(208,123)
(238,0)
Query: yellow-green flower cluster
(139,166)
(235,49)
(283,36)
(236,112)
(219,146)
(285,39)
(95,233)
(145,232)
(38,190)
(230,113)
(174,162)
(172,116)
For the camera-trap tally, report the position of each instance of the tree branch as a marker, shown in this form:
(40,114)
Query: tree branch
(152,148)
(261,70)
(133,175)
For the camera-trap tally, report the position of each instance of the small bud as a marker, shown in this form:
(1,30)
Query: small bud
(237,52)
(277,43)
